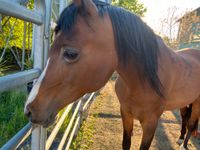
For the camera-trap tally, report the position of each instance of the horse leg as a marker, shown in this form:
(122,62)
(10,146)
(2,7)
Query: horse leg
(185,114)
(148,126)
(195,132)
(191,128)
(127,121)
(192,123)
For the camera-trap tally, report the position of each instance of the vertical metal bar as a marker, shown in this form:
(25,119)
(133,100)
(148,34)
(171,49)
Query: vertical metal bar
(47,26)
(39,133)
(38,34)
(62,5)
(43,137)
(35,138)
(23,47)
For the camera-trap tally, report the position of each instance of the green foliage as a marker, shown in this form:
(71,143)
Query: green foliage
(131,5)
(3,67)
(66,122)
(13,30)
(85,135)
(12,34)
(12,118)
(10,59)
(28,64)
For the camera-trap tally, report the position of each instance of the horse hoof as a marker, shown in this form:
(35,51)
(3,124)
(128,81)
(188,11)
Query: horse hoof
(180,141)
(183,148)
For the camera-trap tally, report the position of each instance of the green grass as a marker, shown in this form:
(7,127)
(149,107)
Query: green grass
(85,136)
(66,122)
(12,118)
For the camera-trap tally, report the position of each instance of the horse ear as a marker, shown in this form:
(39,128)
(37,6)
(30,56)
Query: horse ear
(87,6)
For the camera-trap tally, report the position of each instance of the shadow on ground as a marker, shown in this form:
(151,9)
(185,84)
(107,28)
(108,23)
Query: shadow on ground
(105,115)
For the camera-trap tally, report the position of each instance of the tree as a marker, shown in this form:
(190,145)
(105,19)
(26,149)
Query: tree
(12,30)
(132,5)
(12,39)
(169,26)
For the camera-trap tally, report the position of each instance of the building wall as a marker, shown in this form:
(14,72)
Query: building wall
(189,30)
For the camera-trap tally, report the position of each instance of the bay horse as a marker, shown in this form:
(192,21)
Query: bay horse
(185,115)
(92,40)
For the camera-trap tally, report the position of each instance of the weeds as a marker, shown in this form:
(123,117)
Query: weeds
(85,135)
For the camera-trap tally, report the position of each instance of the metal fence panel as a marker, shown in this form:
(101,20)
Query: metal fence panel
(38,137)
(13,142)
(15,10)
(14,80)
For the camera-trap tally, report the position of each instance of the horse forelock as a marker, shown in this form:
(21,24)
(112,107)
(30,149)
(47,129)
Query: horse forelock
(135,41)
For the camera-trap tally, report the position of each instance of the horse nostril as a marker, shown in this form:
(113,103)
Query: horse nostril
(28,113)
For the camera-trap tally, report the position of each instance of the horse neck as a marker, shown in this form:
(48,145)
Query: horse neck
(166,58)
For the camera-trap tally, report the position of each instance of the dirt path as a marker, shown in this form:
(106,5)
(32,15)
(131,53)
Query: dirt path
(103,128)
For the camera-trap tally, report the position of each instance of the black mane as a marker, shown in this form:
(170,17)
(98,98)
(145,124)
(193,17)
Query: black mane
(135,41)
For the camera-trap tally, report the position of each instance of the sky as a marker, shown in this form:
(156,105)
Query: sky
(157,10)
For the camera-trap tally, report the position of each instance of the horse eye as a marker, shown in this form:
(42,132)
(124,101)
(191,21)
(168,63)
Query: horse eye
(71,55)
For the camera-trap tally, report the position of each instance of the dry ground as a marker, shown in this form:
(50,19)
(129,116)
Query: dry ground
(103,128)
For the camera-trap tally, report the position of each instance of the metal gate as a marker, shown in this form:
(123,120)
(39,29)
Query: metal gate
(40,16)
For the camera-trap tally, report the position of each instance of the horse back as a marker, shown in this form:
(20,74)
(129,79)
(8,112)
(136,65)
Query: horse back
(190,54)
(186,79)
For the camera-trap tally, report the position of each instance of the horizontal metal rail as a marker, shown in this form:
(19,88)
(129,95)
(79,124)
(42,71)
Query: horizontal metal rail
(17,11)
(67,131)
(88,101)
(18,138)
(57,127)
(14,80)
(75,127)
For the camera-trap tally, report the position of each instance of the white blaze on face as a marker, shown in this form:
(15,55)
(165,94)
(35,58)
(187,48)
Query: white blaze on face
(36,87)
